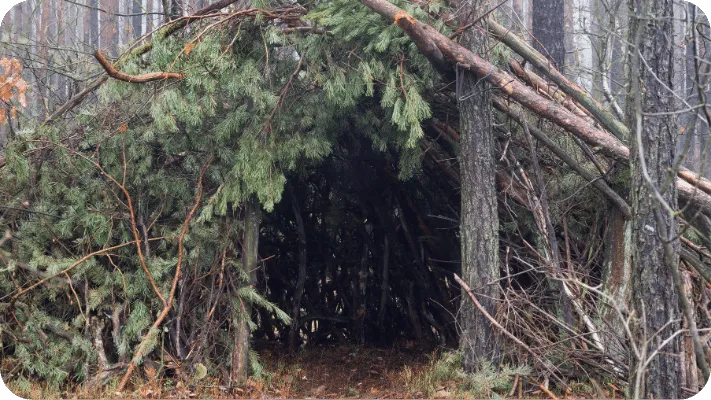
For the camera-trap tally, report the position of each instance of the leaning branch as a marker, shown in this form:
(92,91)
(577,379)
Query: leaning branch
(606,118)
(144,78)
(425,36)
(547,89)
(695,179)
(691,259)
(596,181)
(570,88)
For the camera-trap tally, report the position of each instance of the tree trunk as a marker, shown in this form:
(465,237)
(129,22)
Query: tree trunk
(689,368)
(137,22)
(360,296)
(573,48)
(94,24)
(250,258)
(107,27)
(301,279)
(384,287)
(176,9)
(479,227)
(653,292)
(549,30)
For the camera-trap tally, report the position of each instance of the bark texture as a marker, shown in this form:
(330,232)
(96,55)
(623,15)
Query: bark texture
(250,259)
(653,292)
(479,227)
(616,276)
(301,280)
(137,19)
(94,24)
(549,30)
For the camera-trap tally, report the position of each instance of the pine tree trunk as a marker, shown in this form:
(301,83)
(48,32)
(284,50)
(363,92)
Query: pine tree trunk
(108,29)
(479,227)
(549,30)
(136,19)
(176,9)
(569,65)
(94,24)
(250,258)
(653,292)
(301,279)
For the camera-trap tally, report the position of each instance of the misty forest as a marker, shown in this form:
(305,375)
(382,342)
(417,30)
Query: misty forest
(355,198)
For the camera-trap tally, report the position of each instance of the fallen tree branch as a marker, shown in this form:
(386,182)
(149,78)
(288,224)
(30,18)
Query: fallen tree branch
(691,194)
(425,36)
(606,118)
(694,179)
(570,88)
(144,78)
(77,99)
(544,389)
(596,181)
(548,89)
(699,266)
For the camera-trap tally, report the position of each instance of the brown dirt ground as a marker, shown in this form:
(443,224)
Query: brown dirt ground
(347,371)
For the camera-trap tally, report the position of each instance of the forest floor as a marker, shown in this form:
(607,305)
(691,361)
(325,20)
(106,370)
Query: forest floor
(323,372)
(344,371)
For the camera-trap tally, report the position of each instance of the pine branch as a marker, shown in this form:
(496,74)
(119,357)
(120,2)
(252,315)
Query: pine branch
(129,204)
(282,95)
(66,270)
(169,29)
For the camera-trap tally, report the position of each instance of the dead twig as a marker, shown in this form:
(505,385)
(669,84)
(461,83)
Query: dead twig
(503,330)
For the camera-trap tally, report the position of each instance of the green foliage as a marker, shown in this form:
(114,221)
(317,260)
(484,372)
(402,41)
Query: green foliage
(244,110)
(448,369)
(251,296)
(55,360)
(200,372)
(487,380)
(255,366)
